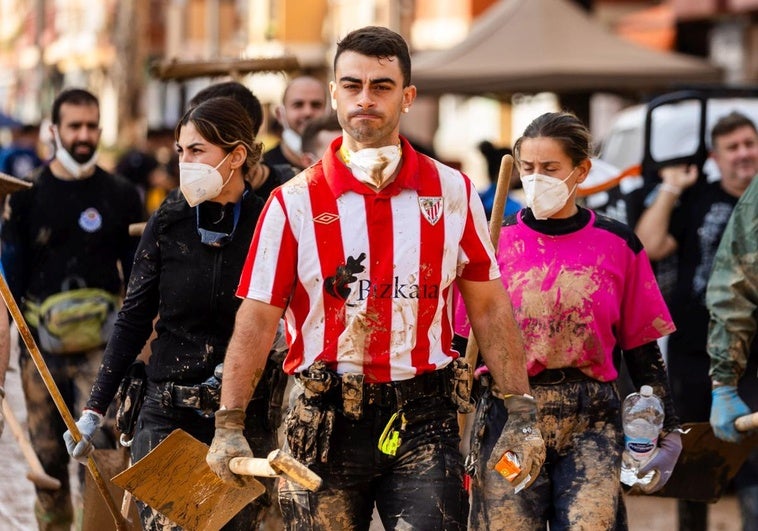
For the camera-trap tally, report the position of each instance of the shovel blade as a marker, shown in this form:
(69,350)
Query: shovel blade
(175,480)
(706,464)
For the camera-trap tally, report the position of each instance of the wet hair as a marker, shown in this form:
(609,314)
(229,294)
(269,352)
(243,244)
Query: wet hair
(239,93)
(74,96)
(327,122)
(730,123)
(223,122)
(563,127)
(380,42)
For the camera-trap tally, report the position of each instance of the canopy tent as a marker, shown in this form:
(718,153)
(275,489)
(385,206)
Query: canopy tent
(550,45)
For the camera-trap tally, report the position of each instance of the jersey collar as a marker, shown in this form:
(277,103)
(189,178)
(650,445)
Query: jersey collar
(341,180)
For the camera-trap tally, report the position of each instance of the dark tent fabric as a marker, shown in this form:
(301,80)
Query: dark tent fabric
(550,45)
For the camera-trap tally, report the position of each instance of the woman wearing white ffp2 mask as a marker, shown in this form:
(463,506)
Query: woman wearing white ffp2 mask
(581,289)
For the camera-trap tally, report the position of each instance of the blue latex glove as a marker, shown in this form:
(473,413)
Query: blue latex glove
(87,424)
(663,462)
(726,407)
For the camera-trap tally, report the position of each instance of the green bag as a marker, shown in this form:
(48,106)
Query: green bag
(74,321)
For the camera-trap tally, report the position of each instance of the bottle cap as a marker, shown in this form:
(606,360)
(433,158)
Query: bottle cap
(646,390)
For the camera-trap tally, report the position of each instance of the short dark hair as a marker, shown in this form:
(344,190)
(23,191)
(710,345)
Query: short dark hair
(223,122)
(239,93)
(327,122)
(377,41)
(563,127)
(730,123)
(73,96)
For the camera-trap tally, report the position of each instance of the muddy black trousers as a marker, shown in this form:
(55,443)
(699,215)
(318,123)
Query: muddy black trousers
(420,487)
(578,486)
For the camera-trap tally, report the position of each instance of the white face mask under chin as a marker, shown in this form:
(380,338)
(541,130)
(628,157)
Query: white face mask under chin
(200,182)
(546,195)
(373,166)
(292,140)
(75,169)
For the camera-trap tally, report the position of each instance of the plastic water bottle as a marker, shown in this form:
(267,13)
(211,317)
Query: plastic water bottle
(642,417)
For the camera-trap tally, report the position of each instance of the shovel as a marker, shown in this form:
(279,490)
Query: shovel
(52,388)
(175,480)
(707,464)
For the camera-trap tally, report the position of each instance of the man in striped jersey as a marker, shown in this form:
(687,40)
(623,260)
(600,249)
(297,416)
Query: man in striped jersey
(360,252)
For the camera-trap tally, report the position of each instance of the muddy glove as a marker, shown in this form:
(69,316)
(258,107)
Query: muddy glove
(2,419)
(663,462)
(522,437)
(87,425)
(726,407)
(228,442)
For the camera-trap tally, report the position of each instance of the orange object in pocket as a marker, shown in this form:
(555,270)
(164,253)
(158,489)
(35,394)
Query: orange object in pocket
(508,466)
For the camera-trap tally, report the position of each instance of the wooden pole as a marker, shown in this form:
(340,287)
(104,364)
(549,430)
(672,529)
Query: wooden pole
(47,378)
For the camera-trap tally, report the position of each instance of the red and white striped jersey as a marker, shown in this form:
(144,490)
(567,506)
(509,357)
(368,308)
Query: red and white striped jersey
(366,276)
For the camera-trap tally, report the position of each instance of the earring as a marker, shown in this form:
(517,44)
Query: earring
(405,109)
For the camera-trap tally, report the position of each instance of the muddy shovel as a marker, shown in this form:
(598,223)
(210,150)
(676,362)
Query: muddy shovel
(175,480)
(707,464)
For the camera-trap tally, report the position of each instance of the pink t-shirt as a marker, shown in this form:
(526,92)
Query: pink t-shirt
(578,295)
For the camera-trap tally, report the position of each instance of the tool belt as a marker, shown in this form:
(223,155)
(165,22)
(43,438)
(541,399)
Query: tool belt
(203,398)
(129,397)
(558,376)
(350,393)
(310,421)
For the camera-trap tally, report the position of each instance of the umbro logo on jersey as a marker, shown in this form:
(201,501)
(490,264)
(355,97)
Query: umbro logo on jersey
(431,208)
(325,218)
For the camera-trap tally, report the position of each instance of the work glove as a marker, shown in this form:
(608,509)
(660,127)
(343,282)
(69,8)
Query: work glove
(663,462)
(522,437)
(726,407)
(2,418)
(87,425)
(228,442)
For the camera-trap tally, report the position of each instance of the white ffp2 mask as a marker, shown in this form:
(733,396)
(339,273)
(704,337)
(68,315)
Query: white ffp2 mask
(545,195)
(200,182)
(76,169)
(373,165)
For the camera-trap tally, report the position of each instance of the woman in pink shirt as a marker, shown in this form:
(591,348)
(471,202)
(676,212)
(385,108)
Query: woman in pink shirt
(582,288)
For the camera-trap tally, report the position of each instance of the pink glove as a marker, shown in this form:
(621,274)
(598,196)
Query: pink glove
(663,463)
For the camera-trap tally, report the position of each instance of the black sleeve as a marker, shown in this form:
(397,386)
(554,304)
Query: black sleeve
(646,367)
(135,321)
(15,249)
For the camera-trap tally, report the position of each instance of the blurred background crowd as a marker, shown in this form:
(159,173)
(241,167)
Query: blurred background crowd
(484,68)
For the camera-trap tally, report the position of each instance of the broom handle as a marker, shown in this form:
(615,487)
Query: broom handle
(55,393)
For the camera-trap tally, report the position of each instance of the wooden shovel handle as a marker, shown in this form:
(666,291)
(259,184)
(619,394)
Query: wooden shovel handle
(55,394)
(37,474)
(252,466)
(277,464)
(747,422)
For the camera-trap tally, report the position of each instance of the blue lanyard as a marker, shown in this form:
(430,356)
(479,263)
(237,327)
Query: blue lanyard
(218,239)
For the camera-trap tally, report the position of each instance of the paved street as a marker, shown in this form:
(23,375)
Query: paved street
(17,494)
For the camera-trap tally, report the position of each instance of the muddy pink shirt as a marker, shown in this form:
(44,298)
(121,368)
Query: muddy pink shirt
(577,295)
(366,276)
